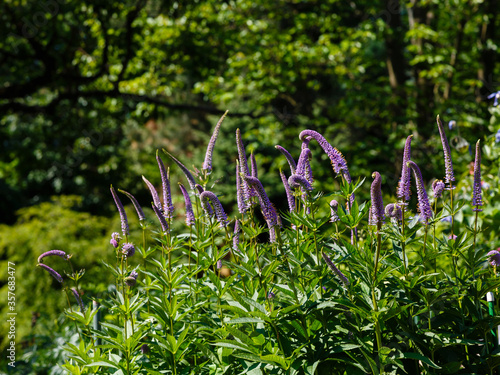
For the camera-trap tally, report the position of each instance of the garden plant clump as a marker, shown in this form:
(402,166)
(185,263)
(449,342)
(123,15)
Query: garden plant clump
(332,285)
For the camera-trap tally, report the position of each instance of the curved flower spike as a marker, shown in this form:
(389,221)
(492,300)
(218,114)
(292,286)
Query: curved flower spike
(168,207)
(189,207)
(297,181)
(423,199)
(208,198)
(288,158)
(288,191)
(58,253)
(189,176)
(335,270)
(394,211)
(136,204)
(51,271)
(121,211)
(268,210)
(154,193)
(207,164)
(377,209)
(78,299)
(161,218)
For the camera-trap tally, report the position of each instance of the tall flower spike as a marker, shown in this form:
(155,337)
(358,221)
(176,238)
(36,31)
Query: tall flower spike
(403,190)
(58,253)
(449,176)
(477,199)
(377,209)
(136,204)
(297,181)
(288,191)
(437,188)
(288,158)
(189,207)
(267,208)
(161,218)
(338,162)
(304,166)
(335,270)
(189,176)
(78,298)
(207,164)
(236,235)
(423,200)
(208,198)
(253,166)
(154,193)
(51,271)
(240,192)
(121,211)
(334,206)
(242,157)
(168,207)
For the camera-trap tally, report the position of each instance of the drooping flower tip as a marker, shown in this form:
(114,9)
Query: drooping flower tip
(121,211)
(207,164)
(394,211)
(335,270)
(128,250)
(51,271)
(297,181)
(187,173)
(58,253)
(131,279)
(288,157)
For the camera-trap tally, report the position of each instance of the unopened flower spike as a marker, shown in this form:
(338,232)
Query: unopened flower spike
(131,279)
(136,204)
(377,208)
(289,196)
(248,191)
(403,190)
(449,176)
(187,173)
(236,235)
(78,299)
(477,199)
(335,270)
(161,218)
(207,164)
(190,220)
(288,157)
(58,253)
(437,188)
(51,271)
(121,211)
(253,166)
(115,239)
(334,205)
(423,200)
(210,199)
(240,192)
(338,162)
(154,193)
(168,207)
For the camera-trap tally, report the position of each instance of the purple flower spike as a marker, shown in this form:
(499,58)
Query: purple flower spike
(304,166)
(161,218)
(168,207)
(154,193)
(189,207)
(207,164)
(338,162)
(115,239)
(288,157)
(297,181)
(128,250)
(78,299)
(403,190)
(288,191)
(377,208)
(199,189)
(253,166)
(394,211)
(236,235)
(51,271)
(121,211)
(423,200)
(494,258)
(334,205)
(240,192)
(449,176)
(242,157)
(437,188)
(335,270)
(210,199)
(305,142)
(136,204)
(58,253)
(189,176)
(131,279)
(477,199)
(266,206)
